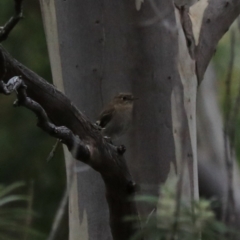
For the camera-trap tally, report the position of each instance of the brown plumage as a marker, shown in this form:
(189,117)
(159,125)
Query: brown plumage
(116,117)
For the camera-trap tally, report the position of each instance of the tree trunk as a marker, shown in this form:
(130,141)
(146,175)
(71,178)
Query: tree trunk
(152,49)
(104,48)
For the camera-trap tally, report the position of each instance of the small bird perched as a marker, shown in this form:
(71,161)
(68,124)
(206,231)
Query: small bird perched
(116,117)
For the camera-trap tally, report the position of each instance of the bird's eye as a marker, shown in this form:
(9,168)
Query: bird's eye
(124,98)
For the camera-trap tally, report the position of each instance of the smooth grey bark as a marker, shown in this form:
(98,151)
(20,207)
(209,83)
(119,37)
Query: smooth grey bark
(105,49)
(108,47)
(217,19)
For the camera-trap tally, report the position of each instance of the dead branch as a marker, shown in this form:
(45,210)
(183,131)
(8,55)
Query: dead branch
(74,144)
(58,116)
(12,22)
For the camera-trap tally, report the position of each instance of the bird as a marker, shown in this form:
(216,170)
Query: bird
(116,117)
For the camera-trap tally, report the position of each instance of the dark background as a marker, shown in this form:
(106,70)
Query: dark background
(24,147)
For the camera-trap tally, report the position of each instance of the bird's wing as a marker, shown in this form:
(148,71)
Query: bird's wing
(105,117)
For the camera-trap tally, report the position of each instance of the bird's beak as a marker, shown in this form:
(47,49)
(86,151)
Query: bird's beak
(135,98)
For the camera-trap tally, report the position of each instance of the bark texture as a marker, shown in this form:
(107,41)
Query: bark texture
(217,18)
(93,149)
(107,47)
(102,48)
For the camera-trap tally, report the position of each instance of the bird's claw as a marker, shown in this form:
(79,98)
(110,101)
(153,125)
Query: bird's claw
(108,139)
(121,149)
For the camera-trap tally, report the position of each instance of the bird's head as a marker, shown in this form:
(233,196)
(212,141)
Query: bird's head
(124,98)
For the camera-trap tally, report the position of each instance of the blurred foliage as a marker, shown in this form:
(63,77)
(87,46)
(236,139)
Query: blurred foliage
(15,221)
(166,223)
(221,61)
(24,148)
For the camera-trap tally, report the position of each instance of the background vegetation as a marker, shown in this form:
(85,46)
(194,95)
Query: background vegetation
(24,147)
(221,62)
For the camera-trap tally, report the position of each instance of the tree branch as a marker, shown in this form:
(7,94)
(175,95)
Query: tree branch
(12,22)
(67,137)
(218,17)
(62,119)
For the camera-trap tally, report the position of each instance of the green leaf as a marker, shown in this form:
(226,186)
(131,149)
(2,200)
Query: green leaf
(6,190)
(12,198)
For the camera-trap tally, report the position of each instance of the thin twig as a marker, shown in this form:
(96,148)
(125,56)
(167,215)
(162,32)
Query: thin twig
(12,22)
(228,81)
(234,119)
(74,144)
(229,205)
(62,206)
(150,215)
(29,210)
(51,154)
